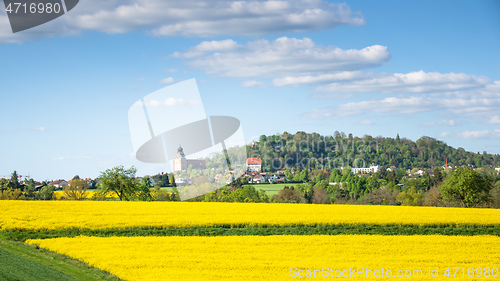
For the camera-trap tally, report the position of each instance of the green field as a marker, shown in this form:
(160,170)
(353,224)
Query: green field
(271,189)
(21,262)
(22,236)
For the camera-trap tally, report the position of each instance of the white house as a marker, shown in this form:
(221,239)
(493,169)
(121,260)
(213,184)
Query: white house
(254,164)
(59,183)
(182,181)
(371,169)
(273,178)
(259,179)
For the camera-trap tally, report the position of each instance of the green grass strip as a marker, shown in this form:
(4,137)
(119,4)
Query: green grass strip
(261,230)
(21,262)
(14,267)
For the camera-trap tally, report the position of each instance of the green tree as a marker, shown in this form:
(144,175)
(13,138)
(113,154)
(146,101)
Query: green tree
(320,196)
(12,194)
(45,193)
(120,181)
(288,195)
(14,181)
(172,180)
(76,190)
(29,190)
(467,187)
(410,197)
(159,194)
(142,192)
(4,184)
(147,181)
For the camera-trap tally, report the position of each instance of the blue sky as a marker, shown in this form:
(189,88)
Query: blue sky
(363,67)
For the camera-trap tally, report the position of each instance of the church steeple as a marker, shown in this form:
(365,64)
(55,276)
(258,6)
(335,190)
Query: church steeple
(180,162)
(180,152)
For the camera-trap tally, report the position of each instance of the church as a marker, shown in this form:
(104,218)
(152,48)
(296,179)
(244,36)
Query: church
(181,163)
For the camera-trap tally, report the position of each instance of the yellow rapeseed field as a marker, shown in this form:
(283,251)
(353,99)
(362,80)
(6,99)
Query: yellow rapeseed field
(357,257)
(40,215)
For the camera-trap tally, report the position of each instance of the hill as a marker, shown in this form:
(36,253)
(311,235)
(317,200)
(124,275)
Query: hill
(314,151)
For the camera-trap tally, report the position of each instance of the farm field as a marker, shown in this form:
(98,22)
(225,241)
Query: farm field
(250,241)
(281,257)
(81,215)
(271,189)
(19,261)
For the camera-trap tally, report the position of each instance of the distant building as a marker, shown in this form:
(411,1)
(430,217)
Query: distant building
(422,172)
(259,179)
(59,183)
(392,168)
(182,181)
(181,163)
(371,169)
(254,164)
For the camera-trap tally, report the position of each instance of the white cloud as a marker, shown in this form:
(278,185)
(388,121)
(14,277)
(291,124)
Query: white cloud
(404,105)
(208,46)
(480,134)
(440,123)
(477,106)
(171,70)
(279,58)
(190,18)
(444,134)
(495,119)
(168,80)
(139,79)
(310,79)
(41,129)
(253,83)
(365,122)
(400,83)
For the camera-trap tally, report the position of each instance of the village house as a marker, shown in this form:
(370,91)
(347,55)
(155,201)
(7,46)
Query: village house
(254,164)
(59,183)
(371,169)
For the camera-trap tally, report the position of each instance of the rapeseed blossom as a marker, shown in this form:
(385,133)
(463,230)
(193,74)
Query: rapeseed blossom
(56,215)
(286,257)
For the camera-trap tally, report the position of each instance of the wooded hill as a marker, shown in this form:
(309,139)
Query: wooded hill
(311,150)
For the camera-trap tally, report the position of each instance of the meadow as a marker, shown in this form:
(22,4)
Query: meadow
(271,189)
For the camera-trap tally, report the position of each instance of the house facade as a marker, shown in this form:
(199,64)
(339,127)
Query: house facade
(254,165)
(371,169)
(59,183)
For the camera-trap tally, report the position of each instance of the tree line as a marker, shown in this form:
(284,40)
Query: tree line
(314,151)
(461,187)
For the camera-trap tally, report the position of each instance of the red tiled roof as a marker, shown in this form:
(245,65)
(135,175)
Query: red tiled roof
(56,182)
(254,161)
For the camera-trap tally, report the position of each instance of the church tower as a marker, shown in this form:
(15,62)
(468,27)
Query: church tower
(180,163)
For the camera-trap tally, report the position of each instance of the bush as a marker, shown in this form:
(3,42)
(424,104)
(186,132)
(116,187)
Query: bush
(319,196)
(288,195)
